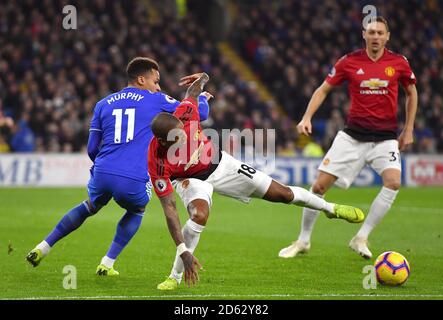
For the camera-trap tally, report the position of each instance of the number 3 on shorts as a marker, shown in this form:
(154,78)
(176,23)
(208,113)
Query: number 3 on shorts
(247,170)
(394,156)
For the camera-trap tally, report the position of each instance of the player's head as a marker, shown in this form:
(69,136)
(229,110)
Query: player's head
(376,34)
(168,129)
(143,73)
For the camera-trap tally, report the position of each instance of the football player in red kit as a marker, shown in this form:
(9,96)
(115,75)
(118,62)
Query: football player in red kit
(181,152)
(370,135)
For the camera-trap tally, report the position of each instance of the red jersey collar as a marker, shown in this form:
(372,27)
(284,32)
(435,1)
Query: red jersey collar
(379,59)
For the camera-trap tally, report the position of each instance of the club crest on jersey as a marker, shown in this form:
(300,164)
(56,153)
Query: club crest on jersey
(326,161)
(389,71)
(170,99)
(160,184)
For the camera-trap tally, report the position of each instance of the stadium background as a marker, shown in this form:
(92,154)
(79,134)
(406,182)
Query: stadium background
(265,59)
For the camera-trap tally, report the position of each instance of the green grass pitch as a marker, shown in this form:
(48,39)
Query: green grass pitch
(238,250)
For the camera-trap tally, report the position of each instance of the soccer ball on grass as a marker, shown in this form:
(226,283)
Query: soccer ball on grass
(391,268)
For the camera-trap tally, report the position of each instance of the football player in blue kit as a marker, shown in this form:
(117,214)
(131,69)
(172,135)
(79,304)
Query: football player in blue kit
(119,136)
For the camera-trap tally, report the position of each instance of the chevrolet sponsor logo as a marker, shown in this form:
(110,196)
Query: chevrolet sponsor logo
(374,86)
(374,83)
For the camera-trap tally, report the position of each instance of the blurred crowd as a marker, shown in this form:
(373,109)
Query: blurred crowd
(293,45)
(51,78)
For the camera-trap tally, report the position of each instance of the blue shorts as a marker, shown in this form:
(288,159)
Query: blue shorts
(130,194)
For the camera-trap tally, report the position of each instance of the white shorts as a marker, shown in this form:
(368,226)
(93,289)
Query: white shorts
(232,178)
(347,157)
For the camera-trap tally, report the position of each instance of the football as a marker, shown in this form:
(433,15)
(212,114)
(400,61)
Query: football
(391,268)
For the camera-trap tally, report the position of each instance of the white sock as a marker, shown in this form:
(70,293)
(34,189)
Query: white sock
(191,233)
(107,262)
(379,207)
(304,198)
(44,247)
(307,223)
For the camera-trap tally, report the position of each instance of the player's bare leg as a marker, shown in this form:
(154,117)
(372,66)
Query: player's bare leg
(321,185)
(198,210)
(379,207)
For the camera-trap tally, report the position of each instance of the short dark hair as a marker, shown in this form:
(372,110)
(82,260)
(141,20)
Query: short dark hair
(163,123)
(382,20)
(139,66)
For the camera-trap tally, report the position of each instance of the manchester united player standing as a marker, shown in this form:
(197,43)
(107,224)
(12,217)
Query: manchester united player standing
(370,136)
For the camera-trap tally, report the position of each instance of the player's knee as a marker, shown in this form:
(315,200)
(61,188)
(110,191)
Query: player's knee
(393,184)
(199,213)
(200,217)
(92,209)
(287,195)
(318,188)
(140,210)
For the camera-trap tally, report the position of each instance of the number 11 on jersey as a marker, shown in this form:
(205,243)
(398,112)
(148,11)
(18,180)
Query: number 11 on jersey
(118,124)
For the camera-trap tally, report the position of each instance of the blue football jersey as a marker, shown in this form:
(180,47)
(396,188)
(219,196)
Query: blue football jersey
(124,118)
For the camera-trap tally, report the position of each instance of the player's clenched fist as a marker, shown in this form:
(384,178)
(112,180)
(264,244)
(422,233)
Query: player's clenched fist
(304,127)
(207,95)
(405,139)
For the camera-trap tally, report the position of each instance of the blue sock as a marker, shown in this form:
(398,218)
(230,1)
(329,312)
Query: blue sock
(126,229)
(71,221)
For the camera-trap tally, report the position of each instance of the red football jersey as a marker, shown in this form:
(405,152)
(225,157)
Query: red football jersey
(373,88)
(191,159)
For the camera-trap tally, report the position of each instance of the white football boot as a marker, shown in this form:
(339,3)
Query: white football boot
(294,249)
(360,245)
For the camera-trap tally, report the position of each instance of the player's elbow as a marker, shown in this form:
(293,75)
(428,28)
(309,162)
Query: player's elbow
(411,91)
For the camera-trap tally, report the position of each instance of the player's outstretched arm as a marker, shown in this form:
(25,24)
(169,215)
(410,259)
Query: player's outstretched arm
(190,263)
(305,126)
(406,137)
(196,88)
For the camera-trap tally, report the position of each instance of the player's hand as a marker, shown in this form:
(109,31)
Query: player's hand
(304,127)
(207,95)
(188,80)
(192,266)
(405,139)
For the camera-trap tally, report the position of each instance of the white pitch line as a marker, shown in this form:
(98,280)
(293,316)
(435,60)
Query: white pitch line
(234,296)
